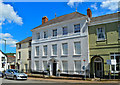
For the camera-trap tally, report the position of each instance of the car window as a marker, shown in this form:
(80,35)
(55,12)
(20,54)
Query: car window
(9,71)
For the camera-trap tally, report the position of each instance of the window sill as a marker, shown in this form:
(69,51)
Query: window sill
(101,40)
(44,56)
(77,55)
(64,55)
(53,56)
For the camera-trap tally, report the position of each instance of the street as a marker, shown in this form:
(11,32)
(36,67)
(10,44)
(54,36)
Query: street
(41,81)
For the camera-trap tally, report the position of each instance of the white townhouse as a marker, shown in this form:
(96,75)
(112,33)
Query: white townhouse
(61,44)
(3,61)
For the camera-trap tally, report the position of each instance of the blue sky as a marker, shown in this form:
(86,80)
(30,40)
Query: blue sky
(31,14)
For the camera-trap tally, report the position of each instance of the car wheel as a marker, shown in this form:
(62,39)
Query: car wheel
(15,78)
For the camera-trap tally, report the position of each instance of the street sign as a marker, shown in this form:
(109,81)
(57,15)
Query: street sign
(83,67)
(109,62)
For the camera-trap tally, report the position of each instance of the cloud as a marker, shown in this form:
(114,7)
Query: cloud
(110,4)
(9,39)
(94,6)
(7,13)
(71,2)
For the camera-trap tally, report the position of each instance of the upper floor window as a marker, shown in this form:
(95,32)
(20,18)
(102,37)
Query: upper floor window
(29,43)
(77,28)
(45,50)
(19,55)
(37,50)
(119,31)
(54,49)
(64,48)
(54,32)
(65,31)
(29,54)
(100,33)
(45,34)
(77,47)
(19,46)
(3,58)
(38,35)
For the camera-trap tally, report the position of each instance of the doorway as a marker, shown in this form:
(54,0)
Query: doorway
(54,68)
(98,67)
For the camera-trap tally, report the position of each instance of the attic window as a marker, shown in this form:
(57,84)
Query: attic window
(77,28)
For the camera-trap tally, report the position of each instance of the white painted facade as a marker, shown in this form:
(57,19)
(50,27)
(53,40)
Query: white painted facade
(70,39)
(3,60)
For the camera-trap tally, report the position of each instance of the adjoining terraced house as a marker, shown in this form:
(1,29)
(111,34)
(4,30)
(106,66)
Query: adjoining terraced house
(104,44)
(23,55)
(61,44)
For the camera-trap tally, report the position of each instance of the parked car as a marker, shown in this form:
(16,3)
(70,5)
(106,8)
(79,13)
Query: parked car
(15,74)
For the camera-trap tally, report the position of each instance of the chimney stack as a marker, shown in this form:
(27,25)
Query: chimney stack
(44,19)
(89,13)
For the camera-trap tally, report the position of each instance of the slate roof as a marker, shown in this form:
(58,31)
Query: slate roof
(62,18)
(107,16)
(28,39)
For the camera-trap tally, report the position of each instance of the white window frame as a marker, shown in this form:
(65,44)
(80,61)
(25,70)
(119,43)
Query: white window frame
(62,66)
(80,66)
(74,47)
(36,50)
(53,33)
(46,34)
(44,67)
(44,50)
(37,34)
(99,33)
(56,50)
(114,55)
(74,28)
(62,48)
(63,31)
(35,67)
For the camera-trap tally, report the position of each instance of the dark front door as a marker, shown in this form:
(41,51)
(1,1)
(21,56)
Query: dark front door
(98,69)
(54,69)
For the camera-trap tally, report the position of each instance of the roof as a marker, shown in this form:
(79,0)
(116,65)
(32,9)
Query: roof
(3,52)
(10,58)
(61,18)
(28,39)
(107,16)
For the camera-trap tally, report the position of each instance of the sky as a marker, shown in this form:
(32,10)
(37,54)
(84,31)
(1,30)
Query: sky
(18,18)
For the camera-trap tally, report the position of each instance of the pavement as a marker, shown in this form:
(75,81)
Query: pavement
(43,81)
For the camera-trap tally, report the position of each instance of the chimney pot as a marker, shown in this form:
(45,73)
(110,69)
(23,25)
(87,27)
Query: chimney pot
(89,13)
(44,19)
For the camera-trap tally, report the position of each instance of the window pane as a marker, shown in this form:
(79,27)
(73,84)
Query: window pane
(19,55)
(55,32)
(29,54)
(37,65)
(65,66)
(101,33)
(76,28)
(45,65)
(38,35)
(77,66)
(45,50)
(45,34)
(65,48)
(77,48)
(65,31)
(37,50)
(54,47)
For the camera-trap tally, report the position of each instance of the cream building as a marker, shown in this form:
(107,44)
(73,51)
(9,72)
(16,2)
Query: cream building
(23,55)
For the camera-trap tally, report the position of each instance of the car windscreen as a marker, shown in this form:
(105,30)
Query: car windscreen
(16,71)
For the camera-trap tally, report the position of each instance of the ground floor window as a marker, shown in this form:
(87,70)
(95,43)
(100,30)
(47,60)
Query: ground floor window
(36,65)
(65,66)
(77,66)
(116,57)
(45,66)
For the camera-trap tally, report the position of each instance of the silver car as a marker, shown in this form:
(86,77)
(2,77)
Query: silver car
(15,74)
